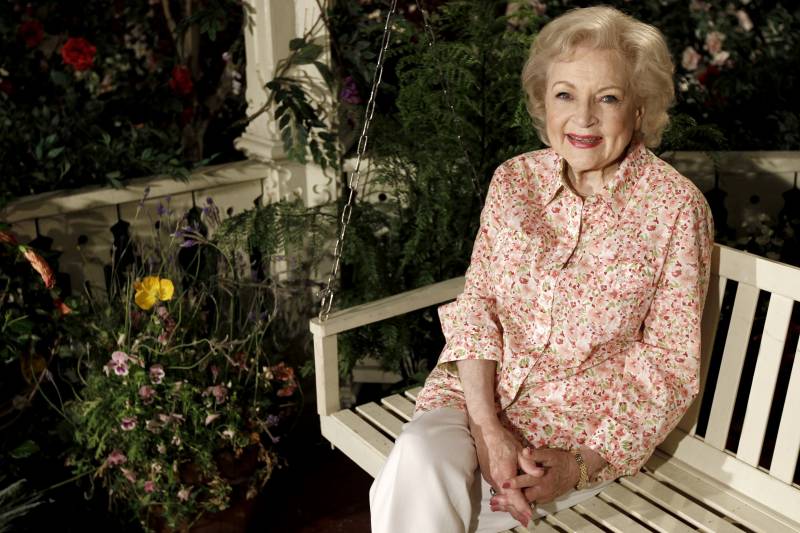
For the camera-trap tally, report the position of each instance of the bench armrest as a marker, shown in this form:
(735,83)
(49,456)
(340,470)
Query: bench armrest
(388,307)
(326,354)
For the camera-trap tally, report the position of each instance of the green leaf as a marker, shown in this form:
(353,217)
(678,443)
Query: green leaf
(297,43)
(55,152)
(26,449)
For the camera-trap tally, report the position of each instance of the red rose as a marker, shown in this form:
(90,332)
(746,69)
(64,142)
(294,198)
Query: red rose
(79,53)
(181,81)
(32,32)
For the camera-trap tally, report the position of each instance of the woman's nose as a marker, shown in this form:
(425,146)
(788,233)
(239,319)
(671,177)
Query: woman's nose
(585,115)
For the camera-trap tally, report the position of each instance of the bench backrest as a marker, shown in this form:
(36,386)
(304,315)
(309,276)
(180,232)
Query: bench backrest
(744,428)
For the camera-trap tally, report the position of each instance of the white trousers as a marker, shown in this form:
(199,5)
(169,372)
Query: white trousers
(431,482)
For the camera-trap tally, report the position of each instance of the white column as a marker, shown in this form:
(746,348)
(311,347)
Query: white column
(274,24)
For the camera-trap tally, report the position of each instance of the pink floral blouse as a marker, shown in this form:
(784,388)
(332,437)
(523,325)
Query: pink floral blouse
(590,306)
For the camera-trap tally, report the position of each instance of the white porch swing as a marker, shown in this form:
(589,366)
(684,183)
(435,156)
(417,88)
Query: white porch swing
(692,482)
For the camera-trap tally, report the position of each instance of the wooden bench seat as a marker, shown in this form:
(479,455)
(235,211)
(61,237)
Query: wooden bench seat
(693,482)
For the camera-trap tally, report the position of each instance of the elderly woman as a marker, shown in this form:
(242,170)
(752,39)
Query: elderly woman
(574,348)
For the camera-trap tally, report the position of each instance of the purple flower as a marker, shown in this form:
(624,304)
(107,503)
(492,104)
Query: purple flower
(116,458)
(118,364)
(209,201)
(161,210)
(272,420)
(147,394)
(157,374)
(188,243)
(349,93)
(128,423)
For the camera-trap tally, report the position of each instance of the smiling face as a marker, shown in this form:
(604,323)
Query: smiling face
(590,112)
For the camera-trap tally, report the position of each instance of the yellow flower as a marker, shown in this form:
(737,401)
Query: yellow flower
(152,289)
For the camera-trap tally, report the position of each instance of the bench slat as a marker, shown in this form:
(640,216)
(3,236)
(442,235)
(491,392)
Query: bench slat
(679,504)
(642,509)
(572,521)
(540,527)
(382,418)
(412,394)
(399,405)
(359,441)
(717,496)
(744,310)
(787,444)
(766,274)
(765,376)
(609,517)
(711,312)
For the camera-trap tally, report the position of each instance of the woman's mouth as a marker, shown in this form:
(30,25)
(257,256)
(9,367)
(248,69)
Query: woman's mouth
(583,141)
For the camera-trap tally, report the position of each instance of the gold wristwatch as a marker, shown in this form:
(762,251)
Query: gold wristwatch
(583,481)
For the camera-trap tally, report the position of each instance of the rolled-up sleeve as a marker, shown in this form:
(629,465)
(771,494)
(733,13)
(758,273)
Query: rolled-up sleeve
(662,369)
(470,324)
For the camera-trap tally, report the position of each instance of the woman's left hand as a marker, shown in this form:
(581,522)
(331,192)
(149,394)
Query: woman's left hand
(549,473)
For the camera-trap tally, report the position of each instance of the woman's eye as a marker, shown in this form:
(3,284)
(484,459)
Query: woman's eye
(609,99)
(563,96)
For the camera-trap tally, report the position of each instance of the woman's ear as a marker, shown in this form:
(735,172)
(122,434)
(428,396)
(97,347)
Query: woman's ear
(639,116)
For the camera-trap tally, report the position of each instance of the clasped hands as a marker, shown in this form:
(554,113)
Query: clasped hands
(522,476)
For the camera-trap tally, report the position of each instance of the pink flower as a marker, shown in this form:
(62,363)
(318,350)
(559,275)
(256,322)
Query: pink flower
(714,41)
(116,458)
(128,423)
(119,357)
(129,474)
(157,374)
(147,394)
(744,20)
(149,486)
(690,58)
(183,494)
(219,392)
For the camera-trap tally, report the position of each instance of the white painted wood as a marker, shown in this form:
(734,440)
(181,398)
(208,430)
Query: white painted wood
(61,202)
(609,517)
(540,526)
(766,274)
(572,521)
(744,308)
(679,504)
(381,418)
(399,405)
(398,304)
(326,364)
(787,444)
(412,394)
(362,443)
(635,505)
(708,328)
(765,376)
(717,495)
(734,474)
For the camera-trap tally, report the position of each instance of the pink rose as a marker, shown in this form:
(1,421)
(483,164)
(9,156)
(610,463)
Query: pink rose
(744,20)
(690,59)
(714,42)
(149,486)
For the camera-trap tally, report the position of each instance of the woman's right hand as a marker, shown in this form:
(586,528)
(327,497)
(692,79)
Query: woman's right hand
(498,451)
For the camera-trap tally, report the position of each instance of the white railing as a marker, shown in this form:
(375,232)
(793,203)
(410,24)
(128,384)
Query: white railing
(79,222)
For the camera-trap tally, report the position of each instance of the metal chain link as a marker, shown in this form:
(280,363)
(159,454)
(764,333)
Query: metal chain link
(347,211)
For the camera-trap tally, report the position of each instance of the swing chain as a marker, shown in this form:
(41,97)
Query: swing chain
(347,211)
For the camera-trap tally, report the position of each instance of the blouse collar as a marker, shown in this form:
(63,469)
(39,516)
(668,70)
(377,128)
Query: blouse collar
(616,193)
